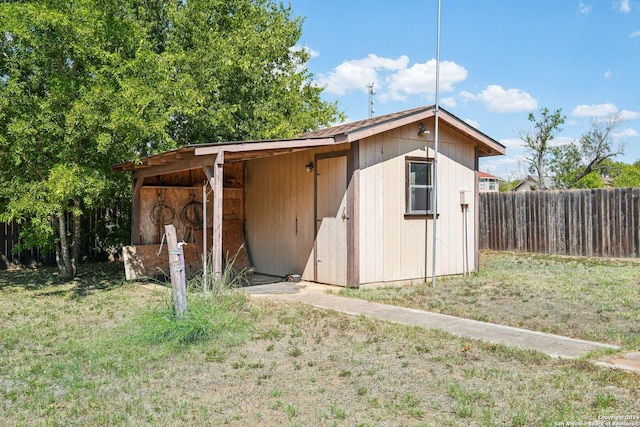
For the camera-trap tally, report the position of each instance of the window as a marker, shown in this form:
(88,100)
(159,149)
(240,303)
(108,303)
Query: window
(492,185)
(419,186)
(482,183)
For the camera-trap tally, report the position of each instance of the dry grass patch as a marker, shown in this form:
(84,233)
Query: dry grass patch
(586,298)
(69,358)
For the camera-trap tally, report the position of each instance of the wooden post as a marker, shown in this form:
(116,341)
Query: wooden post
(136,238)
(176,268)
(217,215)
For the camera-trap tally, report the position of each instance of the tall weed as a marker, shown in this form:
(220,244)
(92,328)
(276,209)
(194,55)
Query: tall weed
(215,311)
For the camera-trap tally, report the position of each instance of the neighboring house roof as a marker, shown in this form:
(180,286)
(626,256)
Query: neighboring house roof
(198,155)
(530,181)
(486,175)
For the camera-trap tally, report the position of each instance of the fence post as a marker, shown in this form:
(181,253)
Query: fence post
(176,268)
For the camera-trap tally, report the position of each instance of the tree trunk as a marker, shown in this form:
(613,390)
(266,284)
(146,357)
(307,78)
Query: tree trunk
(64,262)
(76,239)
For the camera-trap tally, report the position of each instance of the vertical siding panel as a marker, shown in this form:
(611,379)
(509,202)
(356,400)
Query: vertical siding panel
(391,202)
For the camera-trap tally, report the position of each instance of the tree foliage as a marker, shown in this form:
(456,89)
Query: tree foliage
(537,141)
(622,175)
(581,164)
(89,83)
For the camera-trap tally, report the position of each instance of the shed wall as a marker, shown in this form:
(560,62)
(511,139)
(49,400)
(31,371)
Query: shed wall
(392,246)
(280,212)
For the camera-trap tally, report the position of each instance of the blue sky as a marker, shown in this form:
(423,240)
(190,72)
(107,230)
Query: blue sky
(500,60)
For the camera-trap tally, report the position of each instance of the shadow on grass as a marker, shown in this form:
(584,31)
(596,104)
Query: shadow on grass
(92,277)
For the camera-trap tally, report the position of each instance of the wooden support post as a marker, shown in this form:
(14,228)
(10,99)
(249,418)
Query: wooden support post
(217,214)
(136,237)
(176,268)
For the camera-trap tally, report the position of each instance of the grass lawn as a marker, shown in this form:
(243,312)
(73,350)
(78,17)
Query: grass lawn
(93,352)
(586,298)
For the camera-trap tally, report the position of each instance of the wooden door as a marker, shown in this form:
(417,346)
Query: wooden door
(331,220)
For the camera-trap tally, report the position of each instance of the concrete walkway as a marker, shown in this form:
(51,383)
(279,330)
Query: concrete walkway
(325,297)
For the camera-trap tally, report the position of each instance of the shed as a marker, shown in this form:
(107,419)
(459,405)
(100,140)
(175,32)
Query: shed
(349,205)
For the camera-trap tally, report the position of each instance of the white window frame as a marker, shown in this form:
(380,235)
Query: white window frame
(411,186)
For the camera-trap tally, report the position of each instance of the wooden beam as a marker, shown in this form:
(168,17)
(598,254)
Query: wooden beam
(218,190)
(177,166)
(135,212)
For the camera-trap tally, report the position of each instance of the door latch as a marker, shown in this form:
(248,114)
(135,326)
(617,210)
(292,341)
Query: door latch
(344,214)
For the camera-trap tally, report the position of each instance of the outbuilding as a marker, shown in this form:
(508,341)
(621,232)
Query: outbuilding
(351,205)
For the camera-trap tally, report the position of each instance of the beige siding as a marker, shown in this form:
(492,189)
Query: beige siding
(392,245)
(280,193)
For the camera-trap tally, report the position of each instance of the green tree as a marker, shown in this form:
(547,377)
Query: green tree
(89,83)
(623,175)
(508,185)
(537,141)
(77,92)
(239,74)
(582,164)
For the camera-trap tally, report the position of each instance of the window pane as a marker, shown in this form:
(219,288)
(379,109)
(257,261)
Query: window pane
(419,179)
(420,173)
(420,200)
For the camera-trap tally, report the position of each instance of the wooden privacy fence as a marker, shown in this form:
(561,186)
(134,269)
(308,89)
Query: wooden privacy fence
(9,233)
(594,222)
(102,232)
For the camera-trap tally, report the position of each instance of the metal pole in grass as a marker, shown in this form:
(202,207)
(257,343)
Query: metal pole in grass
(176,269)
(435,154)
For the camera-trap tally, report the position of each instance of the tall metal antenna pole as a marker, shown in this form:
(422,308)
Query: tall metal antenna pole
(371,92)
(435,154)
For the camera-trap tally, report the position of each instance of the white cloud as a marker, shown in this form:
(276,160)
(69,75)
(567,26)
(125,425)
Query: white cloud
(449,102)
(604,110)
(625,133)
(629,115)
(512,143)
(356,74)
(394,79)
(584,9)
(623,6)
(635,34)
(607,75)
(595,110)
(499,100)
(467,96)
(420,79)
